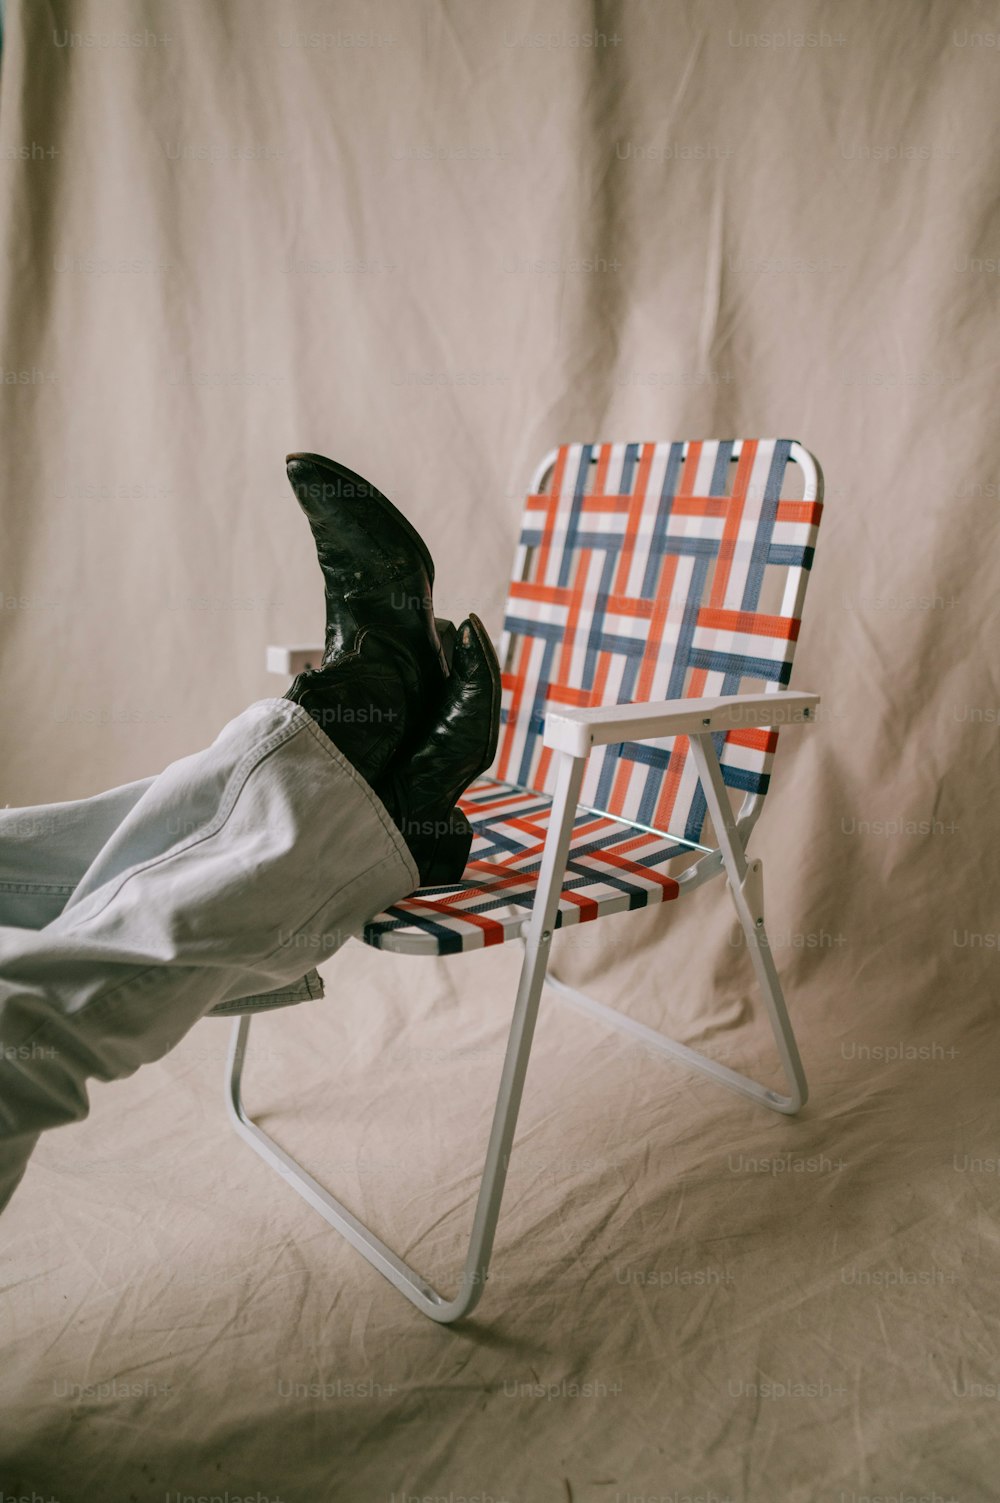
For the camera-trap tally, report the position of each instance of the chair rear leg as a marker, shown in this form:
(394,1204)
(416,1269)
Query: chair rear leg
(774,1004)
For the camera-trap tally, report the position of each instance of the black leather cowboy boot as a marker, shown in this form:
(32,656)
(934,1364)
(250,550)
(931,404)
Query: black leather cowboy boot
(377,572)
(419,792)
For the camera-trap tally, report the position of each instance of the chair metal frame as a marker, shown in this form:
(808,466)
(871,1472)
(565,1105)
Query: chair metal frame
(571,734)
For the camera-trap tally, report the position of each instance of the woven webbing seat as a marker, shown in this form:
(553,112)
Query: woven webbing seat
(611,867)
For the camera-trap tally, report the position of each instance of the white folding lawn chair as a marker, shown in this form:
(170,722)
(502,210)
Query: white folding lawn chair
(646,654)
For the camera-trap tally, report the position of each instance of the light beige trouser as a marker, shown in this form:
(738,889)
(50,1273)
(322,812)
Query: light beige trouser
(124,918)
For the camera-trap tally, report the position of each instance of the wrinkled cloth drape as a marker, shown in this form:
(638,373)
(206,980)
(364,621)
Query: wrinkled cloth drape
(436,238)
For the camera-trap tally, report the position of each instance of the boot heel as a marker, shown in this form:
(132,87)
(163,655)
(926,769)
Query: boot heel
(449,856)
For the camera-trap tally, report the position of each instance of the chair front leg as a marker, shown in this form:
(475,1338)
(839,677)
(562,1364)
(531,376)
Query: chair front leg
(537,940)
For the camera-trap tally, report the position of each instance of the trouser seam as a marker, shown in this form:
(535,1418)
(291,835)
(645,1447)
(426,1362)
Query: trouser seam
(49,887)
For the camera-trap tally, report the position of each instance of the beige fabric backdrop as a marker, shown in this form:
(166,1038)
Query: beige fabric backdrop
(435,239)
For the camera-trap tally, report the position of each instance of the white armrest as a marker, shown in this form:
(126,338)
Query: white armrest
(288,661)
(576,731)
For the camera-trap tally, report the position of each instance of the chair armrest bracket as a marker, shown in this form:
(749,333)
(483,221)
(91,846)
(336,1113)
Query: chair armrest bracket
(578,730)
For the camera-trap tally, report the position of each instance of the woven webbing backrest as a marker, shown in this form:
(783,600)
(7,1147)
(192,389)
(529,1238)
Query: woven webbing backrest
(647,572)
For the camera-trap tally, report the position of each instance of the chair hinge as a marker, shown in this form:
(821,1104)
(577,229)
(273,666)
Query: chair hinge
(751,892)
